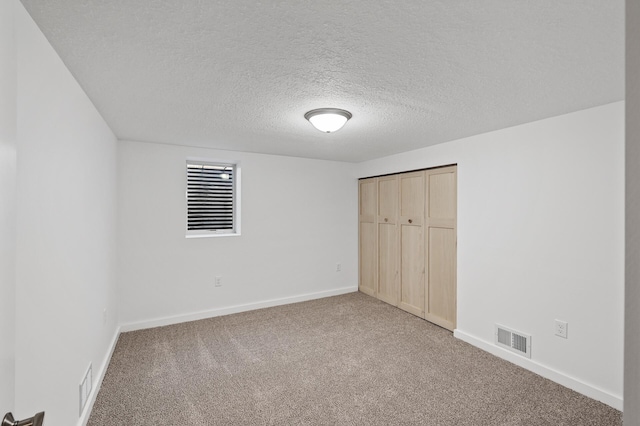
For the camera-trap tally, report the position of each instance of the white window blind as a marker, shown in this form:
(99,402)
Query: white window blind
(211,197)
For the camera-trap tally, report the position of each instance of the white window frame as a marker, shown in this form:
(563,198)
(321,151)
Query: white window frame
(201,233)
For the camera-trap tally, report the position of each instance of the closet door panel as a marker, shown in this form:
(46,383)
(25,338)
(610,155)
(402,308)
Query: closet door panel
(412,270)
(368,200)
(388,248)
(442,277)
(368,258)
(442,198)
(388,199)
(388,264)
(441,241)
(412,198)
(411,223)
(368,236)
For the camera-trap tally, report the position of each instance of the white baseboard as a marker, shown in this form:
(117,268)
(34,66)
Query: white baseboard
(177,319)
(97,381)
(591,391)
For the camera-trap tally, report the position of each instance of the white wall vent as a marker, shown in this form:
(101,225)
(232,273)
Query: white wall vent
(514,341)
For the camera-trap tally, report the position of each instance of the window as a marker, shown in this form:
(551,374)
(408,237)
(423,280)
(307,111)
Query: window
(212,202)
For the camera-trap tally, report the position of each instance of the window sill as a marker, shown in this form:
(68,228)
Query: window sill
(211,235)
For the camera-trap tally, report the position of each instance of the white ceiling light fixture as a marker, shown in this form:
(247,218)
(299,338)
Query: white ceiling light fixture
(328,120)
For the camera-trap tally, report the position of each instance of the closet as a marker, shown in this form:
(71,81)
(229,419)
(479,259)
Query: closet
(407,242)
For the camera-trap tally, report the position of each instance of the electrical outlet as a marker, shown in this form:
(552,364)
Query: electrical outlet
(338,267)
(218,282)
(562,328)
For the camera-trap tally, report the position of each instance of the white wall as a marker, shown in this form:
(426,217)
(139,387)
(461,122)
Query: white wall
(632,294)
(66,232)
(541,237)
(7,204)
(299,218)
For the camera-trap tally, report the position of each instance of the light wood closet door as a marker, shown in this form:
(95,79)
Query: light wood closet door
(412,254)
(388,249)
(368,259)
(441,242)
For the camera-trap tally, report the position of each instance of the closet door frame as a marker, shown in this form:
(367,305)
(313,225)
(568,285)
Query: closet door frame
(440,302)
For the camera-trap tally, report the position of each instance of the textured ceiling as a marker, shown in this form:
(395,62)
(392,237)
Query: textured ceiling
(240,74)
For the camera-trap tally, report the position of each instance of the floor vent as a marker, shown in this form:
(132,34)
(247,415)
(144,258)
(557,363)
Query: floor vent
(513,340)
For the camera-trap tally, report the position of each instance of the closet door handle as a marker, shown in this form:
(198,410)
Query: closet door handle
(386,220)
(36,420)
(410,221)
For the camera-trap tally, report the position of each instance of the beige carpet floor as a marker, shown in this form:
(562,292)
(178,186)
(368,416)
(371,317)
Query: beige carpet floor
(345,360)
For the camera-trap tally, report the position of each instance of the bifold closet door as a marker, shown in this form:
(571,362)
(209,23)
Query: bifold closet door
(441,223)
(412,254)
(388,250)
(368,236)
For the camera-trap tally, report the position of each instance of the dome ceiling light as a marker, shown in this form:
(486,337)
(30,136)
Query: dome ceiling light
(328,120)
